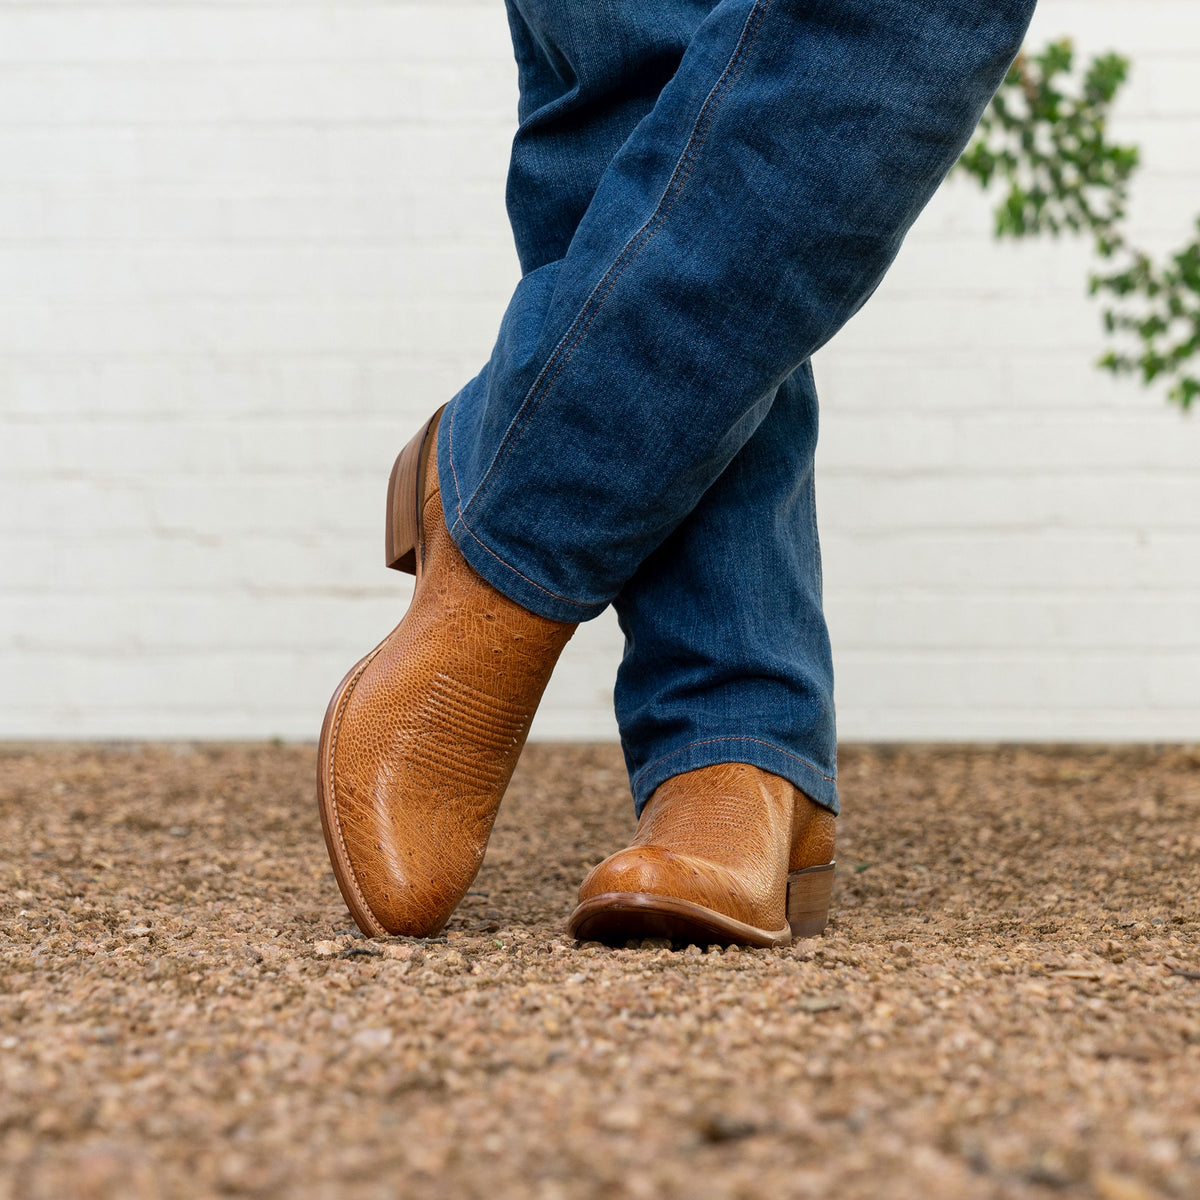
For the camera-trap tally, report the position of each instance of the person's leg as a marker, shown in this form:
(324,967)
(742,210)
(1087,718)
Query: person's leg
(727,655)
(421,737)
(744,220)
(644,432)
(725,704)
(723,621)
(747,215)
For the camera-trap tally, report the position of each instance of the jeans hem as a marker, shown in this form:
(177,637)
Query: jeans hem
(710,752)
(519,588)
(485,562)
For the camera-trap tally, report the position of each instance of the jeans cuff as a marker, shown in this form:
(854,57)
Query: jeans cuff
(519,588)
(807,776)
(502,575)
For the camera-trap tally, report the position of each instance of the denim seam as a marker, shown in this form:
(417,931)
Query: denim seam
(574,336)
(757,741)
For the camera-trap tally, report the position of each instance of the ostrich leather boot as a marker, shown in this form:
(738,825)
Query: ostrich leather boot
(723,854)
(421,737)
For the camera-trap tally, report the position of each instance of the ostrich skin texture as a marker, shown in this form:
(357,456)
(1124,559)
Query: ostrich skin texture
(426,737)
(724,837)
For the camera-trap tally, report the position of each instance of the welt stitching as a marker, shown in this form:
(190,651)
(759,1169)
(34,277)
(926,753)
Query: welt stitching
(574,336)
(332,792)
(756,741)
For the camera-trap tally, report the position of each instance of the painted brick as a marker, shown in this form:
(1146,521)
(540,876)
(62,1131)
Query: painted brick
(246,247)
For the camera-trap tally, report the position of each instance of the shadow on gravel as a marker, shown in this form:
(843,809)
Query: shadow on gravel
(1006,1003)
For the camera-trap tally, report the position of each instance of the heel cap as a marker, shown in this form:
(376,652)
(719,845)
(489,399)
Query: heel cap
(808,896)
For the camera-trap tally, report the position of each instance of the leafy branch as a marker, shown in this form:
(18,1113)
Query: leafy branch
(1167,321)
(1044,140)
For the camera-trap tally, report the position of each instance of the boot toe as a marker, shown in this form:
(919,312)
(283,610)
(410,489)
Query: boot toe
(656,871)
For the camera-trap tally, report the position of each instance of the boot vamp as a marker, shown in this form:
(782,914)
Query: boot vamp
(748,895)
(718,836)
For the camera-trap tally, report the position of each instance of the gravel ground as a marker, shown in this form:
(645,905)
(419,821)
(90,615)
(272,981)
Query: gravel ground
(1006,1004)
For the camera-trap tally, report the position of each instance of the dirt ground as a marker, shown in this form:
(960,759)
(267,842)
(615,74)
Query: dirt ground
(1006,1004)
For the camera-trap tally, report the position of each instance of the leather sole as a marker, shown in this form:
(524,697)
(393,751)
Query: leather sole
(618,916)
(403,544)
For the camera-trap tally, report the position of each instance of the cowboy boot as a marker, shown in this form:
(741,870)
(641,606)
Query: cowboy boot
(421,737)
(723,854)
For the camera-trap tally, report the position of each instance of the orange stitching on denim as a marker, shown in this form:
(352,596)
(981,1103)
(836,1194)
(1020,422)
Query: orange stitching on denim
(574,336)
(450,449)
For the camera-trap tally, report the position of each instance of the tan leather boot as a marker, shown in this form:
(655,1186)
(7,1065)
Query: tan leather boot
(723,854)
(421,737)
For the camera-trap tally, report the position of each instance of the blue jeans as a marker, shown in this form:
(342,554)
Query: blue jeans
(702,194)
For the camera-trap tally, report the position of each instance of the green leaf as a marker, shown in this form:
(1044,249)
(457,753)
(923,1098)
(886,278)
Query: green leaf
(1044,143)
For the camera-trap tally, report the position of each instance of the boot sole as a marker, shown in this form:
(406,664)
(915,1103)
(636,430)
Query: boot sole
(619,916)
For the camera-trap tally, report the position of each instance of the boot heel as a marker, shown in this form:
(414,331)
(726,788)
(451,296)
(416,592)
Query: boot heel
(808,896)
(406,489)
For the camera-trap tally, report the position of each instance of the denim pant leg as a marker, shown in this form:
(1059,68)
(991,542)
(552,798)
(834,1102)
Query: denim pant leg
(706,654)
(588,73)
(727,655)
(643,434)
(746,217)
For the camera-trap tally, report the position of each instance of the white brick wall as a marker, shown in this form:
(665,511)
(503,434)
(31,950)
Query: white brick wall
(245,246)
